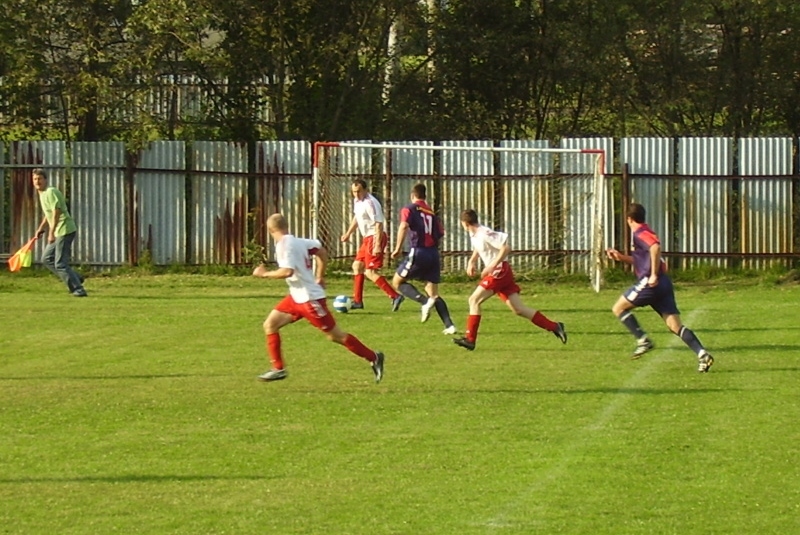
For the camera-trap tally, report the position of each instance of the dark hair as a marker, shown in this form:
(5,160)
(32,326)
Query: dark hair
(420,191)
(636,212)
(469,216)
(39,172)
(360,182)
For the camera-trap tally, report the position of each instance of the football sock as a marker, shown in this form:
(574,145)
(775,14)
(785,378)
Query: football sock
(541,321)
(689,338)
(629,320)
(355,346)
(444,313)
(473,322)
(410,291)
(274,350)
(358,288)
(384,285)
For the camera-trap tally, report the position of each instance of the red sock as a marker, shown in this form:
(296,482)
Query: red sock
(473,322)
(355,346)
(386,287)
(540,320)
(274,350)
(358,288)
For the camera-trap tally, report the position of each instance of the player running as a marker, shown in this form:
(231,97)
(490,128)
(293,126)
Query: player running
(306,298)
(419,222)
(496,278)
(654,288)
(368,218)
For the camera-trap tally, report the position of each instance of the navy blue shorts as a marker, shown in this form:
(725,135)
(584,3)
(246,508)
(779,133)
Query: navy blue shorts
(661,298)
(422,264)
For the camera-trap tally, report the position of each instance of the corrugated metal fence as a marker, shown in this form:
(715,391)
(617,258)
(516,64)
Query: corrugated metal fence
(717,201)
(714,201)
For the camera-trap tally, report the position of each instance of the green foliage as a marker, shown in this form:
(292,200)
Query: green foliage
(253,253)
(245,69)
(145,260)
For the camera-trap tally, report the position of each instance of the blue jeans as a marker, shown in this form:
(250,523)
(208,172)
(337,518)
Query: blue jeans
(56,258)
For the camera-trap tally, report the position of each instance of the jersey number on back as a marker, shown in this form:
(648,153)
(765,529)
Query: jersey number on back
(427,221)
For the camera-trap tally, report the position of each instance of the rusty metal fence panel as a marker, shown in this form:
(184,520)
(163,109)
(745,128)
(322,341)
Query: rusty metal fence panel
(4,245)
(528,209)
(704,198)
(651,162)
(26,215)
(765,217)
(579,217)
(219,202)
(403,169)
(467,182)
(283,184)
(159,203)
(193,206)
(98,203)
(335,200)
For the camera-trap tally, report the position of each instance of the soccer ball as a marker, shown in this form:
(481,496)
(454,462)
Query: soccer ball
(342,303)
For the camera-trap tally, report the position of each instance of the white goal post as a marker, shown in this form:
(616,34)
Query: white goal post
(554,203)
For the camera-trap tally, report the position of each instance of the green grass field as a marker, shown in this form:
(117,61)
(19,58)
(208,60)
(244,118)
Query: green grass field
(137,410)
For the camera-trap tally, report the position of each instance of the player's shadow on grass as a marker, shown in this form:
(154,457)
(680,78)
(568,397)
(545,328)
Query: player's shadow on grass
(569,332)
(131,478)
(641,391)
(534,391)
(192,297)
(551,312)
(106,377)
(742,348)
(744,329)
(754,370)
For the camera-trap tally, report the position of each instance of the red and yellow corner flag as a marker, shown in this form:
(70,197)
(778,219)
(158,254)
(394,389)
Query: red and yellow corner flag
(23,257)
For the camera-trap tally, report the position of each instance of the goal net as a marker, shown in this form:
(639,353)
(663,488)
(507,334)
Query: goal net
(553,203)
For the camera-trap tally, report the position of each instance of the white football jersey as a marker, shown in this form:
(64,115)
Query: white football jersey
(295,253)
(488,243)
(367,212)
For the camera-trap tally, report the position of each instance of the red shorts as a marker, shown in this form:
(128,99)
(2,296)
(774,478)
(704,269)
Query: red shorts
(501,281)
(364,254)
(316,312)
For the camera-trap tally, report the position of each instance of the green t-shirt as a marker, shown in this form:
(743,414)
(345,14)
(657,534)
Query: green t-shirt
(50,199)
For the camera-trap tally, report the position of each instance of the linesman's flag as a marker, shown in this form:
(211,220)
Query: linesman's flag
(23,257)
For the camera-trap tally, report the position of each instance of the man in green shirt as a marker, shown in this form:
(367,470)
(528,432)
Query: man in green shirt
(61,233)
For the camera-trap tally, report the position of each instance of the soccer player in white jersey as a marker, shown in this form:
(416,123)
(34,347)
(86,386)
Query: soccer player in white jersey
(496,278)
(368,219)
(306,298)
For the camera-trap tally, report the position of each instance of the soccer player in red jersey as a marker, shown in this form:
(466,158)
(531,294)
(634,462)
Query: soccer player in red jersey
(306,298)
(654,288)
(496,278)
(368,219)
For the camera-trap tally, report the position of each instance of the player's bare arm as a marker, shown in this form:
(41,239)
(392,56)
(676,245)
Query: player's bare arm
(281,273)
(350,230)
(614,254)
(320,265)
(377,239)
(472,264)
(402,230)
(655,264)
(502,254)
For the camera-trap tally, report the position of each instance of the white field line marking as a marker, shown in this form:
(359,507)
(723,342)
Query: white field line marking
(585,436)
